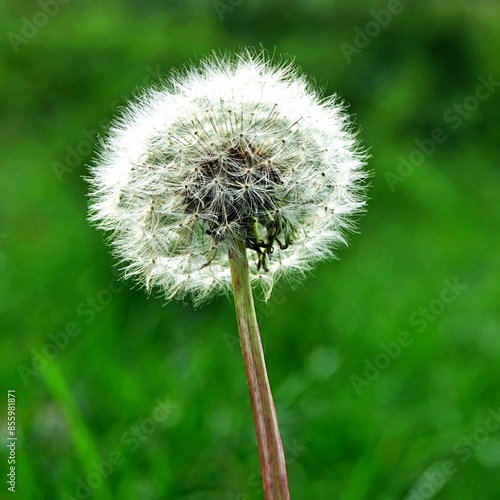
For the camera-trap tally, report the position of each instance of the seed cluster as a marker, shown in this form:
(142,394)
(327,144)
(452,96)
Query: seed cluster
(240,189)
(237,150)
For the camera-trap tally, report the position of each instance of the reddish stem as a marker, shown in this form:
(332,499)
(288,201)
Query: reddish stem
(272,458)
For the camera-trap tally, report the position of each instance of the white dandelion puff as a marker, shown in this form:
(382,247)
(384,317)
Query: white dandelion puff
(236,149)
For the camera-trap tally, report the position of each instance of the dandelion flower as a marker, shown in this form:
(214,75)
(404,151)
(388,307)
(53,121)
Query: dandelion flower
(237,149)
(231,174)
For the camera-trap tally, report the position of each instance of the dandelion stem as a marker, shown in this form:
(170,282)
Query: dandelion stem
(272,458)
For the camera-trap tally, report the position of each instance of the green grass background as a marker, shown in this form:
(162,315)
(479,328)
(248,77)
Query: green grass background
(403,431)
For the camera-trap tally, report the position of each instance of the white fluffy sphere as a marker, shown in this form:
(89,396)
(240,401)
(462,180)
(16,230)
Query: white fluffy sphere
(236,149)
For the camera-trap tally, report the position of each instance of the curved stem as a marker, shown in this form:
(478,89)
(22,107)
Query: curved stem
(272,458)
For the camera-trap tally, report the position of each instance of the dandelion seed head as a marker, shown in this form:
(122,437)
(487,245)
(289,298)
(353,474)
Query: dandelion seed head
(235,149)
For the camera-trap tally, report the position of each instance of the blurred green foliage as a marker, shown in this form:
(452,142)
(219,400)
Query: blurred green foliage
(92,358)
